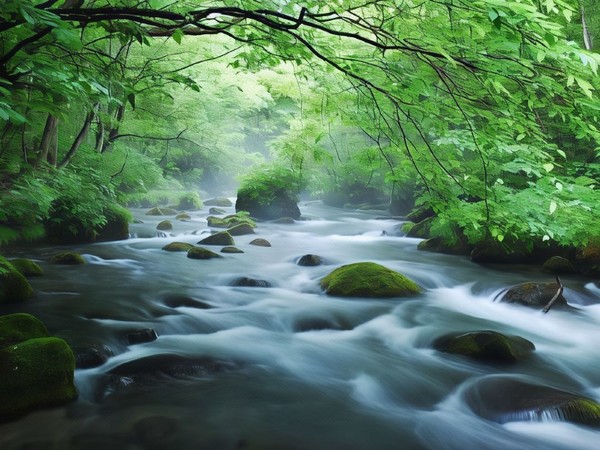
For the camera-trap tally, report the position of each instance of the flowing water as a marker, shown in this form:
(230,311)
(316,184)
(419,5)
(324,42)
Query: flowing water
(287,367)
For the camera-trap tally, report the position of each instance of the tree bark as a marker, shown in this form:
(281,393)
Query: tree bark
(114,131)
(587,37)
(46,141)
(80,137)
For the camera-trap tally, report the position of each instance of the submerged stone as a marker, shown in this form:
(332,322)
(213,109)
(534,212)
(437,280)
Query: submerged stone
(27,267)
(219,201)
(249,282)
(260,242)
(310,260)
(535,295)
(231,249)
(503,399)
(35,373)
(183,217)
(368,279)
(161,212)
(164,225)
(241,230)
(14,287)
(142,336)
(177,247)
(558,265)
(67,258)
(217,211)
(201,253)
(92,356)
(486,346)
(220,238)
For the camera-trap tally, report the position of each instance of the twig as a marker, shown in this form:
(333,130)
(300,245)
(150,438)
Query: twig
(558,294)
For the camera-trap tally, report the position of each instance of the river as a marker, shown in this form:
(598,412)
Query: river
(287,367)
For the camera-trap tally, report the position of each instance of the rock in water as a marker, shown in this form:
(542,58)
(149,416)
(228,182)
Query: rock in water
(310,260)
(223,202)
(14,287)
(220,238)
(249,282)
(260,242)
(177,247)
(279,203)
(241,230)
(486,345)
(161,212)
(68,258)
(367,279)
(503,399)
(15,328)
(535,295)
(201,253)
(164,225)
(559,265)
(142,336)
(27,267)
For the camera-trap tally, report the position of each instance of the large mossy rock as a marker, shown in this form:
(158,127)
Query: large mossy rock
(588,259)
(278,203)
(223,202)
(27,267)
(241,230)
(441,245)
(14,287)
(486,346)
(165,225)
(15,328)
(67,258)
(222,238)
(367,279)
(161,212)
(230,221)
(559,265)
(420,229)
(201,253)
(503,399)
(117,223)
(189,201)
(36,370)
(534,295)
(177,247)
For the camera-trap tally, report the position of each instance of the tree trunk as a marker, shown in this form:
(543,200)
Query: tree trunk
(53,147)
(587,37)
(80,137)
(114,131)
(46,142)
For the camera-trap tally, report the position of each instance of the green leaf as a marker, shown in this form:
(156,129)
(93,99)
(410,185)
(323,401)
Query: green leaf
(177,35)
(553,207)
(131,99)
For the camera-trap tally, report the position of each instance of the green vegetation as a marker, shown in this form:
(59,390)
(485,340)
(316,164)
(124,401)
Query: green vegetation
(14,287)
(367,279)
(483,112)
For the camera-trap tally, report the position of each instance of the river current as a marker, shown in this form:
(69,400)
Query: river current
(286,366)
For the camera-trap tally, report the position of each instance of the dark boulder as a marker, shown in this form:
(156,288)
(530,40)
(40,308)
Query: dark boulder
(67,258)
(181,301)
(503,399)
(486,346)
(559,265)
(420,229)
(27,267)
(310,260)
(588,259)
(220,238)
(279,203)
(284,221)
(249,282)
(92,356)
(165,225)
(141,336)
(260,242)
(534,295)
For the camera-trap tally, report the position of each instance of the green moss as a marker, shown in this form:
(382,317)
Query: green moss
(27,267)
(14,287)
(189,200)
(231,250)
(241,229)
(161,212)
(367,279)
(183,217)
(486,345)
(201,253)
(67,258)
(35,373)
(117,223)
(177,247)
(220,238)
(15,328)
(230,221)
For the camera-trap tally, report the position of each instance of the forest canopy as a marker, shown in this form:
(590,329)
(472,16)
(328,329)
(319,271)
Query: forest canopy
(483,112)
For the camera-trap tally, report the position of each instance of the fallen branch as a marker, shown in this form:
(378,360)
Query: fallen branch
(558,294)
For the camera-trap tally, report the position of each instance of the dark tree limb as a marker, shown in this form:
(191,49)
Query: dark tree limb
(553,299)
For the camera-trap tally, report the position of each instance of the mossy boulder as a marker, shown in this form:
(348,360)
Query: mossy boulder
(241,230)
(157,211)
(201,253)
(117,223)
(183,217)
(67,258)
(503,399)
(177,247)
(217,211)
(220,238)
(231,249)
(310,260)
(223,202)
(588,259)
(27,267)
(260,242)
(189,200)
(165,225)
(230,221)
(367,279)
(420,229)
(441,245)
(15,328)
(35,373)
(278,202)
(534,295)
(486,346)
(14,287)
(558,265)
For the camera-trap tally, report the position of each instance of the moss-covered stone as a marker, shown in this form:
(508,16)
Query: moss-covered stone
(277,202)
(535,295)
(440,245)
(260,242)
(310,260)
(178,247)
(220,238)
(15,328)
(588,259)
(230,249)
(558,265)
(189,200)
(117,223)
(420,229)
(230,221)
(35,373)
(217,211)
(14,287)
(241,230)
(486,345)
(67,258)
(165,225)
(161,212)
(367,279)
(503,399)
(201,253)
(27,267)
(223,202)
(183,217)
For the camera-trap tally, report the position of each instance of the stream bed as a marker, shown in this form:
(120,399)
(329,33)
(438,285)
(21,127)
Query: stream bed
(286,366)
